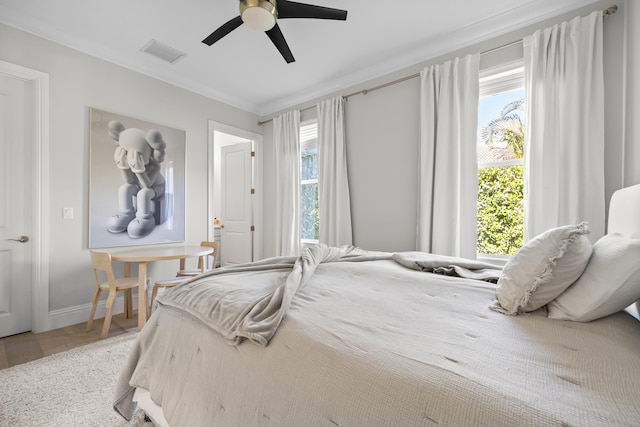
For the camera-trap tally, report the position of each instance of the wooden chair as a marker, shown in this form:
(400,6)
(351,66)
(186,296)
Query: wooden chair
(166,283)
(183,274)
(210,260)
(102,262)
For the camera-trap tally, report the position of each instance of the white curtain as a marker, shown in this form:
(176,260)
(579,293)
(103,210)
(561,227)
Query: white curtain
(564,139)
(448,185)
(333,186)
(286,143)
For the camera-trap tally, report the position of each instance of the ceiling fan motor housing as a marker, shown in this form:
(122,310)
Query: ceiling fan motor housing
(259,15)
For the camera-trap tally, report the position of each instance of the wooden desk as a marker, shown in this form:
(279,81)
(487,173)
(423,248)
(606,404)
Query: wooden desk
(147,254)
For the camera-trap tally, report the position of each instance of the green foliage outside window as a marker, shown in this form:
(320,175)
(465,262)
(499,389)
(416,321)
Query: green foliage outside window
(309,164)
(500,188)
(309,217)
(500,210)
(507,129)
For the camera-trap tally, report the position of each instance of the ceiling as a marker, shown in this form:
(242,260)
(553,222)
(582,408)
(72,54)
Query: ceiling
(244,69)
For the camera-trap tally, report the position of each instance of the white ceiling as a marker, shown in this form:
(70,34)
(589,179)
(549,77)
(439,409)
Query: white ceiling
(244,69)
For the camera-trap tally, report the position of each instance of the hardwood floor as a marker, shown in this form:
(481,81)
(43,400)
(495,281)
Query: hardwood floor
(21,348)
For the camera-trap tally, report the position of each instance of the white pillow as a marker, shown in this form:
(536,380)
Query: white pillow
(610,283)
(542,269)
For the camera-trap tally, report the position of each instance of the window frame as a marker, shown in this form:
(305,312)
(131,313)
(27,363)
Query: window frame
(494,81)
(308,139)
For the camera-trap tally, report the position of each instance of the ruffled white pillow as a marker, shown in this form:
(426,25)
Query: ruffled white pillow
(542,269)
(610,283)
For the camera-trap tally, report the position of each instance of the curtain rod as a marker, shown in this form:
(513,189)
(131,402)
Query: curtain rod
(606,12)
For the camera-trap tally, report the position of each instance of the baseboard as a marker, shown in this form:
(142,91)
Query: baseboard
(80,313)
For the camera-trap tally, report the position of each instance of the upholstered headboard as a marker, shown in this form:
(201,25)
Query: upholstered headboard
(624,212)
(624,218)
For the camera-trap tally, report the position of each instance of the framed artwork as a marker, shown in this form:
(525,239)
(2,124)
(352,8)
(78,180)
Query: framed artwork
(137,181)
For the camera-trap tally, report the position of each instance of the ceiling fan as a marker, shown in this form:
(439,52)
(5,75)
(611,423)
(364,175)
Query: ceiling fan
(262,15)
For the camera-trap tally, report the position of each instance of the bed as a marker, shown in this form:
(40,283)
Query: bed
(346,337)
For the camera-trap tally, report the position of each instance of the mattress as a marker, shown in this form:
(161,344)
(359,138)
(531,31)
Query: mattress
(377,344)
(154,413)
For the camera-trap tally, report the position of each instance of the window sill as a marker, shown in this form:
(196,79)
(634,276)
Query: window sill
(499,260)
(307,243)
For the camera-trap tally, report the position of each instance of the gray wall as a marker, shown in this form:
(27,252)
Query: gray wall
(77,82)
(383,133)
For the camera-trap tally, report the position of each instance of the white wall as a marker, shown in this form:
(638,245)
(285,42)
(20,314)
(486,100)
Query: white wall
(383,134)
(77,82)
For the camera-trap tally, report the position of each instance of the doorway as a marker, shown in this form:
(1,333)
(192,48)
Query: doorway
(24,290)
(235,175)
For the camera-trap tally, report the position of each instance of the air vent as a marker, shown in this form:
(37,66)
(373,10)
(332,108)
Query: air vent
(162,51)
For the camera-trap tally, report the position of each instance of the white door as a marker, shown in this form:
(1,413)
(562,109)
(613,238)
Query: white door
(15,211)
(236,238)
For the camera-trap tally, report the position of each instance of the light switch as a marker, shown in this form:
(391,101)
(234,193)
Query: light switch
(67,213)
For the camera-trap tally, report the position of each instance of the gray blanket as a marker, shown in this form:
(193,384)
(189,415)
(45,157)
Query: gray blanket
(243,304)
(449,266)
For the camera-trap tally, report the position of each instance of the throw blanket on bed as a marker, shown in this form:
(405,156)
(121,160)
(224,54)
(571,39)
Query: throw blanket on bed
(252,305)
(249,301)
(449,266)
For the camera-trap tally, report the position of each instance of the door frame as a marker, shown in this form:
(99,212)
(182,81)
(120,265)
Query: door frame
(257,204)
(39,254)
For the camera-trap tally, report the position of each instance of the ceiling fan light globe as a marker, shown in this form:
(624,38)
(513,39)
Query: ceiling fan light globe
(259,15)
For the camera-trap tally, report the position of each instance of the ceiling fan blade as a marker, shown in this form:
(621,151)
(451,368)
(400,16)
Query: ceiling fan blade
(278,39)
(223,31)
(292,9)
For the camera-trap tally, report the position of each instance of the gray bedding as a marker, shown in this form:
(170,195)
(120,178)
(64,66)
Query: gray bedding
(374,343)
(248,301)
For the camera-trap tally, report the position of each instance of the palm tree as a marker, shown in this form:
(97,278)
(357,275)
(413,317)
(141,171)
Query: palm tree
(506,130)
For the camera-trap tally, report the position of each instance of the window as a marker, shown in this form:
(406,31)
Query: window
(309,217)
(500,152)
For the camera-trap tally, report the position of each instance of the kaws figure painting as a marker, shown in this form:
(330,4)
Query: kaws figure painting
(137,174)
(138,156)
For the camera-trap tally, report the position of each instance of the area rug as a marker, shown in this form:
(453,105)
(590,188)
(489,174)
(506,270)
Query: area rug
(72,388)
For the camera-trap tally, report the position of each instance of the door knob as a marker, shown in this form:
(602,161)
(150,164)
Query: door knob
(21,239)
